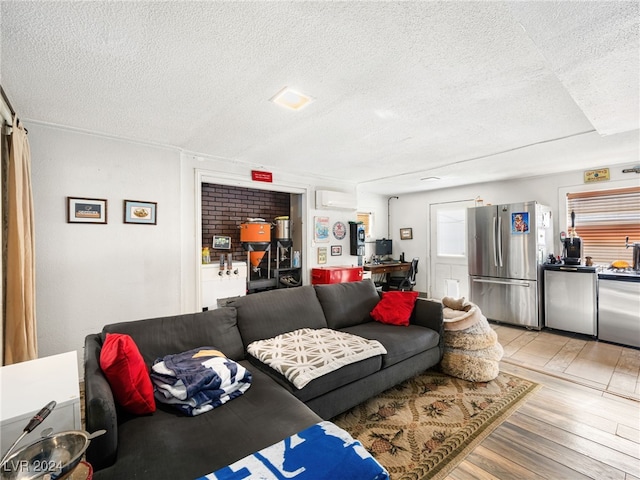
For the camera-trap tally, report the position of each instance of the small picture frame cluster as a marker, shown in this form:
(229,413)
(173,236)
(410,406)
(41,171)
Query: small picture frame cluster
(94,210)
(406,233)
(136,211)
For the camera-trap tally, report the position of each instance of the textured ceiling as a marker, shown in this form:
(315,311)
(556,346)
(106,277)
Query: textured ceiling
(465,91)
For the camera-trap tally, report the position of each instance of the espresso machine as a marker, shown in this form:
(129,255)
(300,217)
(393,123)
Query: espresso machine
(572,246)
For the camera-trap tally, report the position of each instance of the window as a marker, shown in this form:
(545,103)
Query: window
(450,230)
(603,220)
(365,218)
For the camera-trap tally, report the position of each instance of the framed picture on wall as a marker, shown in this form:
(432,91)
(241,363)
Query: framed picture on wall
(336,250)
(220,241)
(321,229)
(322,255)
(406,233)
(86,210)
(136,211)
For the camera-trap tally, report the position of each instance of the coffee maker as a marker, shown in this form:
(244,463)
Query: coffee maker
(636,254)
(572,246)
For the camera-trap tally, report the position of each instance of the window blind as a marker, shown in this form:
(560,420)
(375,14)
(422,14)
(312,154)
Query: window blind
(365,218)
(604,219)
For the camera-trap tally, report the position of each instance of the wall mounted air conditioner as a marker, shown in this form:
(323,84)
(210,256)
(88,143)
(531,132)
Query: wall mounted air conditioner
(330,200)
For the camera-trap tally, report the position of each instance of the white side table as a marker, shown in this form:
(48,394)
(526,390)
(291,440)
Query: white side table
(26,387)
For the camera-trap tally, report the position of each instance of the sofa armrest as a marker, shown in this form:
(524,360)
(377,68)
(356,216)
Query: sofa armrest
(428,313)
(100,407)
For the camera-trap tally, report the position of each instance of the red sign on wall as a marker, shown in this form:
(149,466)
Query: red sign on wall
(258,176)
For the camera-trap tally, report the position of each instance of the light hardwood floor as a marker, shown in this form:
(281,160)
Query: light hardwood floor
(583,423)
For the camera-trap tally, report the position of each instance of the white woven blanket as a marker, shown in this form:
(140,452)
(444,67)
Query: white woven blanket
(306,354)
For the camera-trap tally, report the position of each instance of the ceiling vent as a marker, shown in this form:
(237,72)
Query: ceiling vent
(329,200)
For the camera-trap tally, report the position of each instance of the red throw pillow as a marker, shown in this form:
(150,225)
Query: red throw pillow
(124,367)
(395,308)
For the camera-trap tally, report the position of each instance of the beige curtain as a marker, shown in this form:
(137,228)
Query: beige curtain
(20,341)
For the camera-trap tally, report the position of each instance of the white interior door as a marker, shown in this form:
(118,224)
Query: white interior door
(448,268)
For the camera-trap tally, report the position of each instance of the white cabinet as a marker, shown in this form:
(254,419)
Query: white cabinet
(219,283)
(26,387)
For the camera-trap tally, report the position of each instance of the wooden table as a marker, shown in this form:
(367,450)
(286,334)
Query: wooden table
(386,269)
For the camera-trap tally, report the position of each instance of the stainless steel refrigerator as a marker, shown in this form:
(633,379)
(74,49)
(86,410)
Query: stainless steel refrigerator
(507,246)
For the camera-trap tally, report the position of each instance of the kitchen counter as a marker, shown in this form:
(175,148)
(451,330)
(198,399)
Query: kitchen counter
(605,303)
(570,268)
(626,276)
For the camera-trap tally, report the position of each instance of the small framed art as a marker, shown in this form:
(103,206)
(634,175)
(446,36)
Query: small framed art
(220,241)
(321,229)
(322,255)
(86,210)
(336,250)
(406,233)
(136,211)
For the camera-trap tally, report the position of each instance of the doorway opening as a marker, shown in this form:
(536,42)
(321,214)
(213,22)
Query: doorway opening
(223,208)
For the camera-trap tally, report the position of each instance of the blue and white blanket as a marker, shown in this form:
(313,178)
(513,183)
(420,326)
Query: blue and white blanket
(198,380)
(323,451)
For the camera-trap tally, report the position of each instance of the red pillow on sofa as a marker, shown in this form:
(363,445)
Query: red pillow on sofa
(126,372)
(395,307)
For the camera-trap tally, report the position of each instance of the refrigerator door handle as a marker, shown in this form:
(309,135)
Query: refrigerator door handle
(495,253)
(500,241)
(502,282)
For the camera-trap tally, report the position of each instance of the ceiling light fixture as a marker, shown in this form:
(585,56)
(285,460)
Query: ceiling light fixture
(291,99)
(429,178)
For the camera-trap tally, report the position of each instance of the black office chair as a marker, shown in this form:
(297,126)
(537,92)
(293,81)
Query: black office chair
(407,282)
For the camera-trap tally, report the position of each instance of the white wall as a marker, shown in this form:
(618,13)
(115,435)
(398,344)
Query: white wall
(92,275)
(412,210)
(377,206)
(196,168)
(367,203)
(89,275)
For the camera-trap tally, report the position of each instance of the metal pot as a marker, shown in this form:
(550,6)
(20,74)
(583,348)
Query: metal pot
(255,232)
(283,231)
(52,457)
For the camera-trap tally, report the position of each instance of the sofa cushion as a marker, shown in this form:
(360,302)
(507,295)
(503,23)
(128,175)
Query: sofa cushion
(309,353)
(401,343)
(325,383)
(347,304)
(157,337)
(127,374)
(395,308)
(100,406)
(168,444)
(267,314)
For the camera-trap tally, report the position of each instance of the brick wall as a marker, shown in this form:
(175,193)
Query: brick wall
(224,208)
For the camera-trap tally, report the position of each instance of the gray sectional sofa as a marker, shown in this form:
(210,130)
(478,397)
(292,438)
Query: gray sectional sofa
(166,444)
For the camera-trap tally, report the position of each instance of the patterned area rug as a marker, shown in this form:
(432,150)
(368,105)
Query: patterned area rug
(425,426)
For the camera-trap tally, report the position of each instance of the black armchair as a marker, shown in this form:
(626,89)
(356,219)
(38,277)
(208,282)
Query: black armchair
(404,283)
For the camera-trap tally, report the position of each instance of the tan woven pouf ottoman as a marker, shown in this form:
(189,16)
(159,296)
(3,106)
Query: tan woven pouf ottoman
(471,348)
